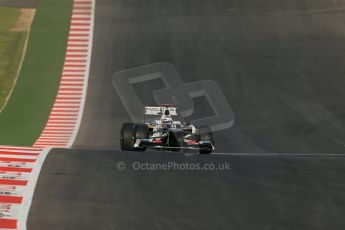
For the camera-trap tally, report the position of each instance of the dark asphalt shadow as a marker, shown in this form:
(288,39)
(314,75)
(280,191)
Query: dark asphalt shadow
(83,189)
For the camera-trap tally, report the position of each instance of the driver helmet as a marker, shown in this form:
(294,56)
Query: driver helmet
(166,120)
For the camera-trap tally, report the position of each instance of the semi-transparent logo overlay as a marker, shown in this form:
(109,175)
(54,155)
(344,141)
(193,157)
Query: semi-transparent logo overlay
(176,92)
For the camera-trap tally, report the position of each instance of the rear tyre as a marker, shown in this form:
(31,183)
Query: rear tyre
(127,138)
(141,132)
(206,136)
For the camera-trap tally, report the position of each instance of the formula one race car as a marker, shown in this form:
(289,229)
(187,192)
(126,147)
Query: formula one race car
(163,131)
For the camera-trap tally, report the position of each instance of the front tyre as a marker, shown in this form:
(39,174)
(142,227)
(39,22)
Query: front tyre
(127,138)
(141,132)
(207,137)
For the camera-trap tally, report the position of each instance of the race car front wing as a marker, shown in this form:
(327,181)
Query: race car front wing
(150,143)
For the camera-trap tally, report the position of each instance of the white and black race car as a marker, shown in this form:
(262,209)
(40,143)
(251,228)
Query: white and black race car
(163,131)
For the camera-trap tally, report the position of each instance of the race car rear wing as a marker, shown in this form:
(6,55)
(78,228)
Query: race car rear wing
(159,110)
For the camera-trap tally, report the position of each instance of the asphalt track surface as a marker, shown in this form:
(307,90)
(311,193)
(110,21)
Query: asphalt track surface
(82,189)
(18,3)
(280,65)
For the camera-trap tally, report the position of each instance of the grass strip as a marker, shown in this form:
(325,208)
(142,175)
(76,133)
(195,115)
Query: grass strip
(11,51)
(27,111)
